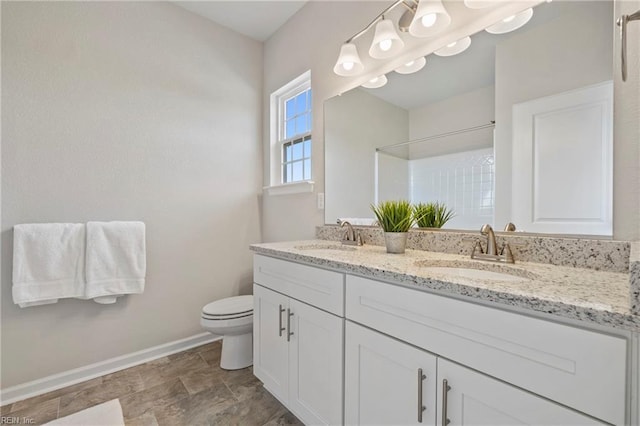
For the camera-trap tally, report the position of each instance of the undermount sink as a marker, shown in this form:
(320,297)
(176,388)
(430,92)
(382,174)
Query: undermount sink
(474,270)
(328,246)
(474,274)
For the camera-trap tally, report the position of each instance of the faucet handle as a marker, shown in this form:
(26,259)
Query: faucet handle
(477,246)
(507,253)
(509,227)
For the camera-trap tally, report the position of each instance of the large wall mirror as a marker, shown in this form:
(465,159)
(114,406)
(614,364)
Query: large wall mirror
(546,163)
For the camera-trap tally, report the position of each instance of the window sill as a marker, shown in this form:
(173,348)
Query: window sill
(290,188)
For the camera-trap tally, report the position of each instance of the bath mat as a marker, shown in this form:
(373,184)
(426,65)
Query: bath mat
(106,414)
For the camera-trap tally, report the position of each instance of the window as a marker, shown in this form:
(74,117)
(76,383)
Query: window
(291,150)
(295,134)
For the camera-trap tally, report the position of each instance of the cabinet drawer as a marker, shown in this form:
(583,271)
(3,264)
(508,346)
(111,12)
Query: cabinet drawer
(317,287)
(582,369)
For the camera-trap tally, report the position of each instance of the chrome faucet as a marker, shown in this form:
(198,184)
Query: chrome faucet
(351,237)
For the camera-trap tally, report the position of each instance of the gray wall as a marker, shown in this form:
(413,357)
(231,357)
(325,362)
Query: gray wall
(558,56)
(357,123)
(128,111)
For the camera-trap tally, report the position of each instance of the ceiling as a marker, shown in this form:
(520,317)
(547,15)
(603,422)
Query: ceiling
(256,19)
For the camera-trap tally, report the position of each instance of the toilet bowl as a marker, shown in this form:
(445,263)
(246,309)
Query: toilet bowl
(232,318)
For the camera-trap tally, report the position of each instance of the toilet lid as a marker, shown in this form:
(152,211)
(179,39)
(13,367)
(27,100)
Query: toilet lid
(229,306)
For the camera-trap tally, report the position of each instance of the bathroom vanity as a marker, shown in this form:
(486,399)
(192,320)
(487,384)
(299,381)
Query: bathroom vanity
(346,335)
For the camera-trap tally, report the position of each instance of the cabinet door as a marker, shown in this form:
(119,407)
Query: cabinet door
(270,349)
(315,364)
(383,384)
(475,399)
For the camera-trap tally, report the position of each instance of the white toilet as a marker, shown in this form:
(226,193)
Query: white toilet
(232,318)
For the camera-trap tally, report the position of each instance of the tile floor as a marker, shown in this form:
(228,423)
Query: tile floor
(187,388)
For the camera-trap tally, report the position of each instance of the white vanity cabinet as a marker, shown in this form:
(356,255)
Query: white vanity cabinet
(298,347)
(342,349)
(387,382)
(580,369)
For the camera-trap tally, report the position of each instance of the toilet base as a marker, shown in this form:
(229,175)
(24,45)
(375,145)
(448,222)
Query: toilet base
(237,351)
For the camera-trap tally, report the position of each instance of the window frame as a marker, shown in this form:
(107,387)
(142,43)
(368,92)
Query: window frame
(279,98)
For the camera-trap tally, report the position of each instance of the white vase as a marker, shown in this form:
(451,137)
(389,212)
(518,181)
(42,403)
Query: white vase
(396,242)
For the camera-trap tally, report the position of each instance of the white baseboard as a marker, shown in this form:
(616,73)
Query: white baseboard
(77,375)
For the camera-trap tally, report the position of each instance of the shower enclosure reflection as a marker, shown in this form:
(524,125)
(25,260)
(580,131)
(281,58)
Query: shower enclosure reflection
(455,168)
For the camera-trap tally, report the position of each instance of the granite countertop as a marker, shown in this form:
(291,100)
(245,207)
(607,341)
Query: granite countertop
(596,297)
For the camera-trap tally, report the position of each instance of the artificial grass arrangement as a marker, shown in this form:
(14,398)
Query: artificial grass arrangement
(394,216)
(432,215)
(397,217)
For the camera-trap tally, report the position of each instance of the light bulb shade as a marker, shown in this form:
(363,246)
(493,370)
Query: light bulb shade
(430,19)
(479,4)
(349,62)
(386,41)
(511,23)
(376,82)
(413,66)
(459,47)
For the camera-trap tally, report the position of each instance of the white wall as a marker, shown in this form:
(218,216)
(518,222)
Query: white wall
(129,111)
(392,178)
(474,108)
(573,49)
(357,123)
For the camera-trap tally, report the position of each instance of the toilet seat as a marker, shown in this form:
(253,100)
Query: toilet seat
(229,308)
(225,317)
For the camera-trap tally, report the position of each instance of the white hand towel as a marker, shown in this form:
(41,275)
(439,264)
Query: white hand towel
(116,262)
(48,262)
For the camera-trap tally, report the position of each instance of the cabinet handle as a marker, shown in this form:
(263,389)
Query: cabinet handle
(622,23)
(445,389)
(421,407)
(280,327)
(289,332)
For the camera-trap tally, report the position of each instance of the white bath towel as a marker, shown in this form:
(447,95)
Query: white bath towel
(116,261)
(48,262)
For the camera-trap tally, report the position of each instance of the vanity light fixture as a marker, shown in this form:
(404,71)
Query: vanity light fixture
(349,62)
(430,19)
(412,66)
(455,47)
(376,82)
(422,18)
(510,23)
(386,41)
